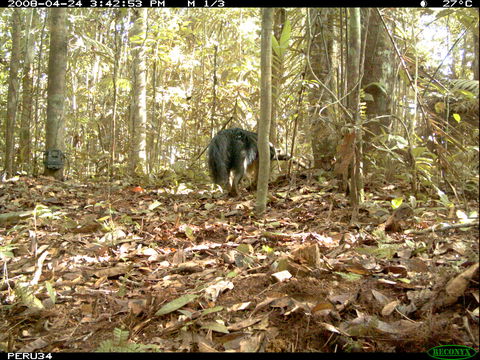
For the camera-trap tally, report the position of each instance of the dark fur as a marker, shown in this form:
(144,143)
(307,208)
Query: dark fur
(232,153)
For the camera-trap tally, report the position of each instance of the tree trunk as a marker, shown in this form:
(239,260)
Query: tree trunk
(379,72)
(27,94)
(324,136)
(265,110)
(57,66)
(36,107)
(475,54)
(116,65)
(277,73)
(139,114)
(12,97)
(353,100)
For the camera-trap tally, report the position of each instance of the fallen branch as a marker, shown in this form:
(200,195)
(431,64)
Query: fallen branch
(437,228)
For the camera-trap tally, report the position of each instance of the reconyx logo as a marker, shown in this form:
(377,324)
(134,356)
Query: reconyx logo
(447,352)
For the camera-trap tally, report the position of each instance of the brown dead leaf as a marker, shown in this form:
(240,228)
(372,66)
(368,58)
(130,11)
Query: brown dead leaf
(390,307)
(264,303)
(100,281)
(397,270)
(382,299)
(323,306)
(34,345)
(309,254)
(137,306)
(357,269)
(188,267)
(232,341)
(86,308)
(87,228)
(245,323)
(252,344)
(113,271)
(331,328)
(204,347)
(398,327)
(213,291)
(282,276)
(456,287)
(241,306)
(178,257)
(295,269)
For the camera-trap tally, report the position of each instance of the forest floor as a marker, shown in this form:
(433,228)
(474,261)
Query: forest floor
(115,267)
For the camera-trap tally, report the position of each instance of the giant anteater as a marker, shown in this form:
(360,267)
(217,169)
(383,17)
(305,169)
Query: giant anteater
(231,153)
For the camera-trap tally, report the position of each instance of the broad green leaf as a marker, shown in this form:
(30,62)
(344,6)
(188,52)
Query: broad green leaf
(420,150)
(397,202)
(187,313)
(189,232)
(400,141)
(267,249)
(282,194)
(154,205)
(444,12)
(7,251)
(285,37)
(215,326)
(28,298)
(385,251)
(467,94)
(349,276)
(212,310)
(411,244)
(275,46)
(457,117)
(231,274)
(444,199)
(176,304)
(51,291)
(245,248)
(209,206)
